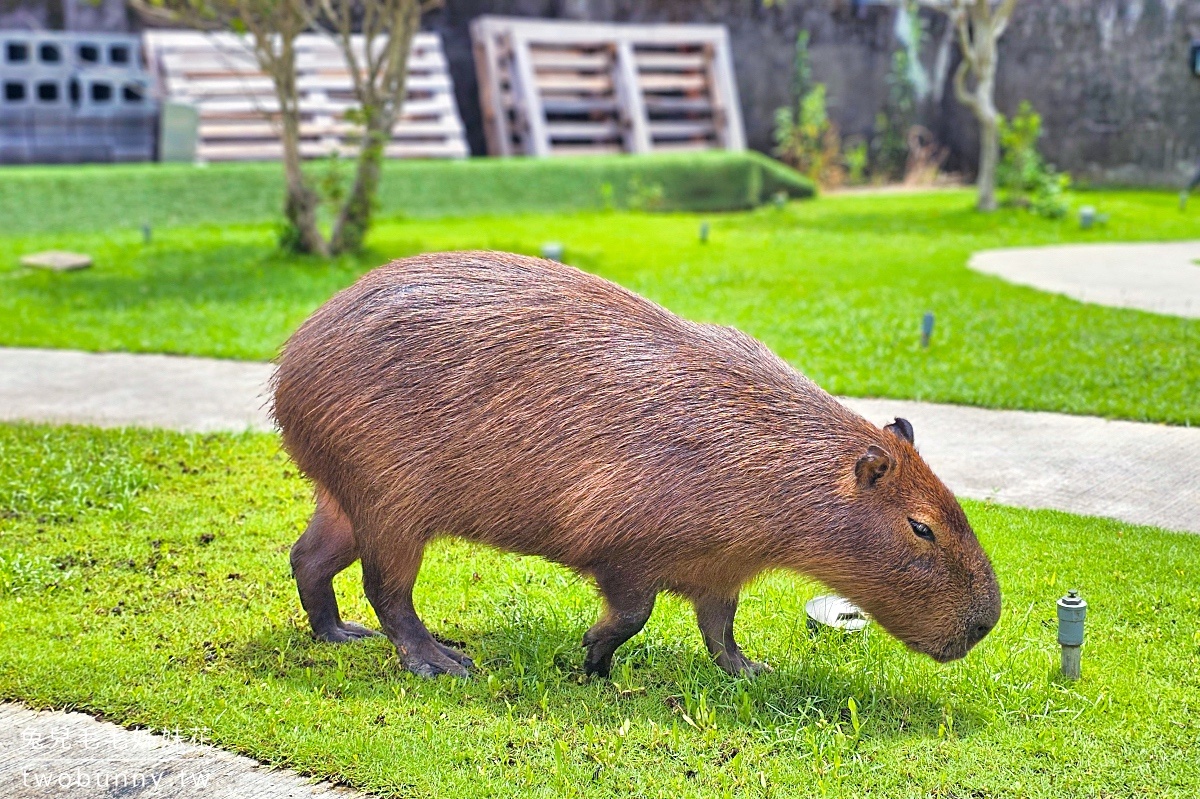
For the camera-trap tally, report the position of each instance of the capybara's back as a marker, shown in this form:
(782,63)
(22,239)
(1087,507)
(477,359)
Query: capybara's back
(542,410)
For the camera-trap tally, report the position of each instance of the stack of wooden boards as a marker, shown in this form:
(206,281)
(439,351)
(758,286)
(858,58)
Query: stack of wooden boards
(562,88)
(237,110)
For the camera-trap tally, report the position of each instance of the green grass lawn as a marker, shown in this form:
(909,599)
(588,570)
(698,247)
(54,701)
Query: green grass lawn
(144,577)
(836,286)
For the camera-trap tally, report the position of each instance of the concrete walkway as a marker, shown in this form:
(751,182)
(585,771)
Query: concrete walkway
(1128,471)
(55,754)
(1162,278)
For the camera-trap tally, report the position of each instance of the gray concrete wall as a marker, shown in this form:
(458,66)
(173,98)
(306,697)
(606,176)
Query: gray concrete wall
(1109,76)
(1112,82)
(71,15)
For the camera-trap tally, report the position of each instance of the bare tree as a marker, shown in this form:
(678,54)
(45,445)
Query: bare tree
(378,65)
(273,26)
(979,25)
(379,69)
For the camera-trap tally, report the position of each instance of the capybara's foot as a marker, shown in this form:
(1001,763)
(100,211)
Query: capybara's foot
(435,663)
(458,657)
(739,665)
(598,660)
(597,667)
(356,631)
(344,631)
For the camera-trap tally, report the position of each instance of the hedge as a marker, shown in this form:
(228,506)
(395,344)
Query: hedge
(43,199)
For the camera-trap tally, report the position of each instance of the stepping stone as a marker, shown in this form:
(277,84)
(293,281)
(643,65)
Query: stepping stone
(57,260)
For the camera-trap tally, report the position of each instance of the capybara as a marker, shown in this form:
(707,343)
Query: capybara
(530,406)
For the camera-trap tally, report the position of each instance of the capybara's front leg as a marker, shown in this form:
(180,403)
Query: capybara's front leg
(388,584)
(627,608)
(326,548)
(715,616)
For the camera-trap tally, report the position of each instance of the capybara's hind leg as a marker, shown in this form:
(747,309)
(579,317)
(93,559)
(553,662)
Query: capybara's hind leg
(627,608)
(715,615)
(388,583)
(326,548)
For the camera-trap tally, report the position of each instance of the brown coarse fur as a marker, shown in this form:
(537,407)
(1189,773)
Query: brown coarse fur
(532,407)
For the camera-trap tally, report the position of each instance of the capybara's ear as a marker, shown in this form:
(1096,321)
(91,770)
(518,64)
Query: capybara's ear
(872,466)
(901,428)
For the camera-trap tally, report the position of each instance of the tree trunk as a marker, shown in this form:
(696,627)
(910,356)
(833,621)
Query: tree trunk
(989,158)
(300,205)
(354,217)
(302,201)
(979,29)
(381,107)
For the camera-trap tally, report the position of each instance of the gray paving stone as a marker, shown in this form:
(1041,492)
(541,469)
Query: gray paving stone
(1162,278)
(73,756)
(1125,470)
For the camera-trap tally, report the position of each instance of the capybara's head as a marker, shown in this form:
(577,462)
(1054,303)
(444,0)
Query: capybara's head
(918,568)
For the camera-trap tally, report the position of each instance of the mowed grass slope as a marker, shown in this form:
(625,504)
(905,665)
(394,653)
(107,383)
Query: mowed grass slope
(144,577)
(837,286)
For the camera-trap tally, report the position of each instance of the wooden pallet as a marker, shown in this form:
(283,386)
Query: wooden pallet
(562,88)
(239,115)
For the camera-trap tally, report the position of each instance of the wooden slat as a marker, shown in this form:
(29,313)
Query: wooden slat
(650,60)
(671,85)
(671,82)
(529,101)
(674,105)
(583,130)
(727,111)
(678,130)
(263,128)
(563,83)
(546,60)
(491,94)
(633,113)
(267,151)
(587,149)
(267,105)
(236,101)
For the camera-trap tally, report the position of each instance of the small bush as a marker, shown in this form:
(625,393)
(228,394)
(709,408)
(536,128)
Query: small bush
(47,199)
(805,138)
(889,145)
(1025,177)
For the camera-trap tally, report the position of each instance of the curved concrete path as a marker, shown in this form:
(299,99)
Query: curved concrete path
(72,755)
(1162,278)
(1125,470)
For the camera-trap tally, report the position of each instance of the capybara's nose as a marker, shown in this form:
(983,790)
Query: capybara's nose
(977,633)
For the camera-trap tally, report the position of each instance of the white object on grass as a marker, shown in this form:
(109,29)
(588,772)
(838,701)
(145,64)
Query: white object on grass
(838,612)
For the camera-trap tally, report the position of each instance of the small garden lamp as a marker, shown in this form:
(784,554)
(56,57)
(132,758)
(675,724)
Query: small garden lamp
(1072,610)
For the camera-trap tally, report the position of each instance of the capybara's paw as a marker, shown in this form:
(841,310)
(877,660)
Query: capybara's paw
(434,666)
(741,666)
(343,632)
(458,657)
(354,631)
(597,666)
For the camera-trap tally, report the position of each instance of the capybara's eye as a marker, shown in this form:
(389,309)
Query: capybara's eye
(922,530)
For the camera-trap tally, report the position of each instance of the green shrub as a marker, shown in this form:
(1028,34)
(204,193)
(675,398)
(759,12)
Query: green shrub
(856,163)
(805,138)
(889,145)
(105,197)
(1025,177)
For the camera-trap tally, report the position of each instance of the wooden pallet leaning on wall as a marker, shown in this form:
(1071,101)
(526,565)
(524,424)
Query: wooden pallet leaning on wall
(562,88)
(239,115)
